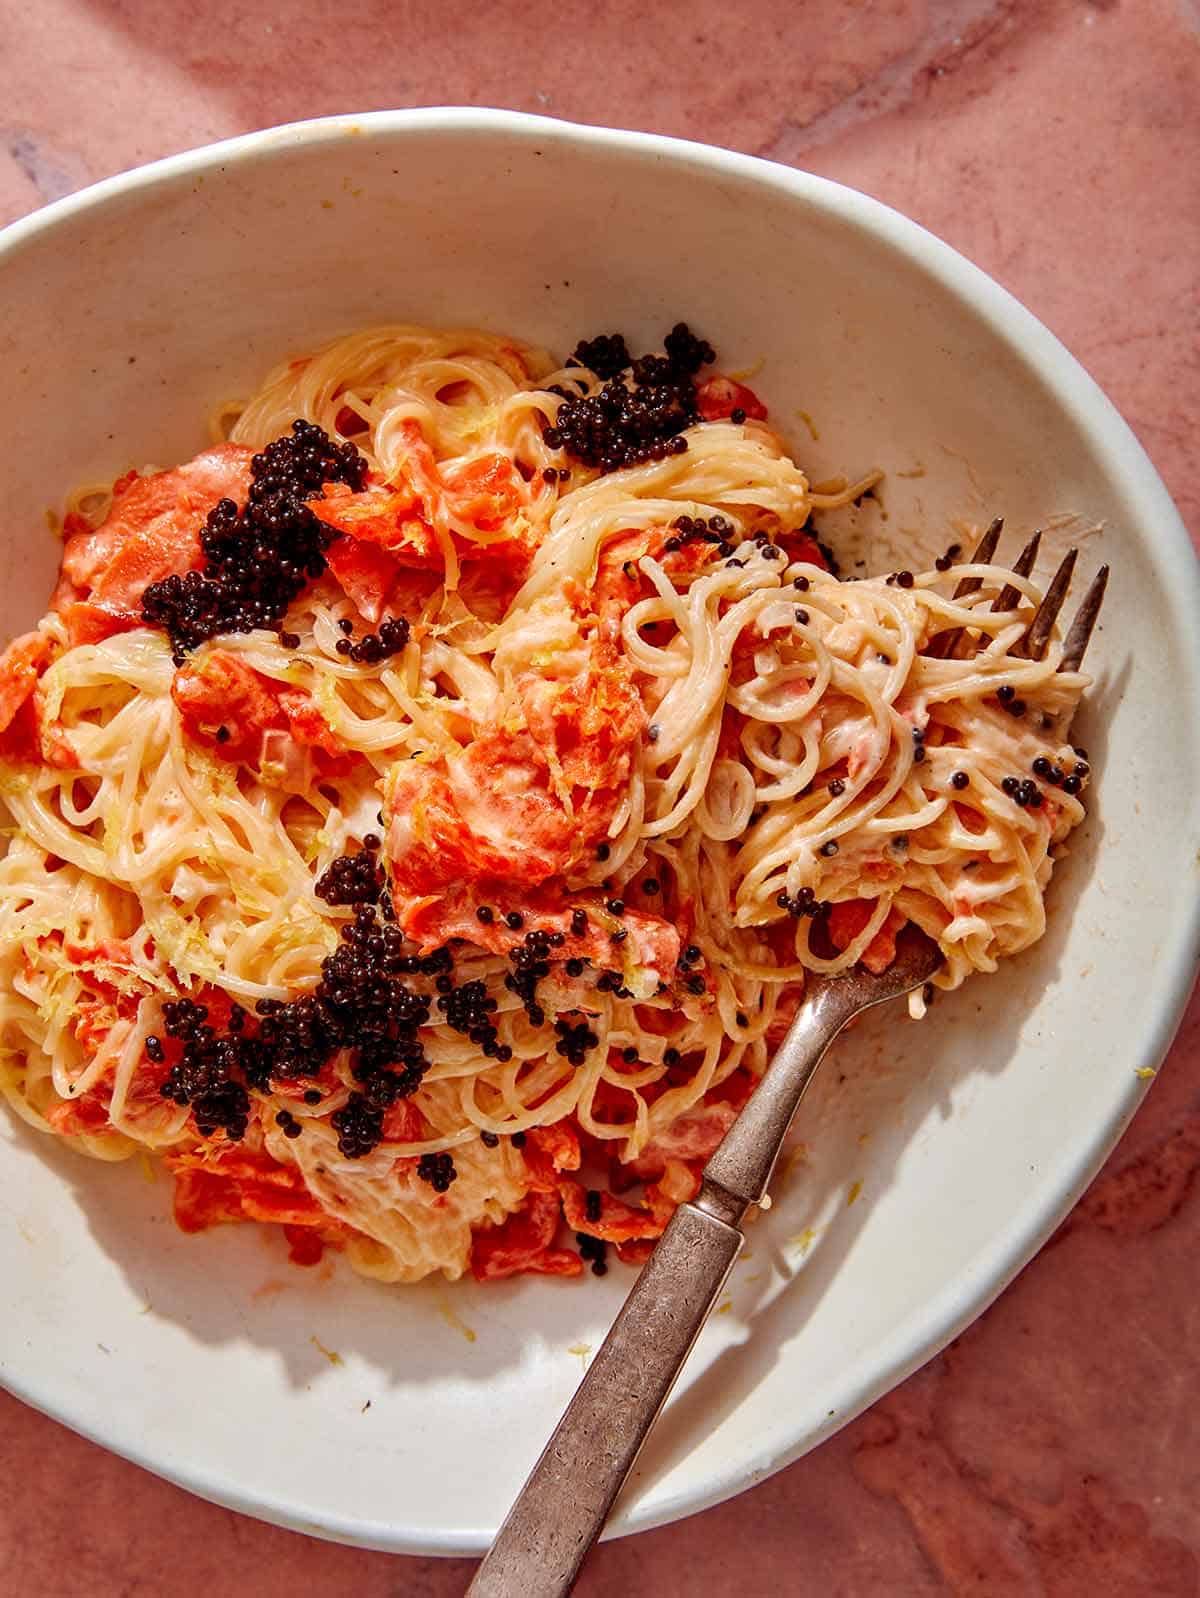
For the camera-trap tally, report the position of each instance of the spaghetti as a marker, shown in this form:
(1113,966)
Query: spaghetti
(422,827)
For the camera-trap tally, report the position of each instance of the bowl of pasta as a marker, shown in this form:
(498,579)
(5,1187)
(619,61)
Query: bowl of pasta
(494,605)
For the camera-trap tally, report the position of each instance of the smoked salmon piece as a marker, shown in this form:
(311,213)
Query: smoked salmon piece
(524,1243)
(152,531)
(21,664)
(718,397)
(388,528)
(242,716)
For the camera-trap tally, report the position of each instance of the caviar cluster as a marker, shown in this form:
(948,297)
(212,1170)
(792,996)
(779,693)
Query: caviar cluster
(574,1041)
(593,1249)
(438,1170)
(694,529)
(391,639)
(206,1074)
(469,1008)
(641,410)
(803,902)
(1069,781)
(530,962)
(944,562)
(691,956)
(1007,695)
(1023,791)
(258,559)
(353,878)
(606,354)
(362,1004)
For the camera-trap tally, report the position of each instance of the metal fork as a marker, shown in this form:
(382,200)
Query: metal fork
(563,1505)
(1037,635)
(566,1499)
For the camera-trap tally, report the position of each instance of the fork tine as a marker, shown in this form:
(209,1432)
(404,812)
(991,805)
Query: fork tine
(942,647)
(1022,566)
(981,556)
(1033,645)
(1085,619)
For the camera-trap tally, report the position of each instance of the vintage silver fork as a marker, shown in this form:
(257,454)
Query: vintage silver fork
(1037,634)
(561,1509)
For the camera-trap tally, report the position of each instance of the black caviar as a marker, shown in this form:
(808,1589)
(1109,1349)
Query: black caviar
(1023,792)
(201,1078)
(606,354)
(438,1170)
(642,408)
(361,1004)
(352,879)
(803,902)
(593,1250)
(259,558)
(574,1041)
(1053,774)
(358,1126)
(469,1009)
(530,962)
(695,529)
(391,639)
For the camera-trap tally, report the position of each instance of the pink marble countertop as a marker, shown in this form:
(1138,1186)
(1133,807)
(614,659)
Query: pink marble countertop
(1053,1449)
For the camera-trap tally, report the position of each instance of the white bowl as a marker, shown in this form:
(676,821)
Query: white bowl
(126,312)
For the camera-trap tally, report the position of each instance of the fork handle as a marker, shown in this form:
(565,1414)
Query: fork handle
(563,1505)
(566,1500)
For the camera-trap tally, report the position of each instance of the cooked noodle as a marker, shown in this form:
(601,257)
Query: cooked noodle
(784,739)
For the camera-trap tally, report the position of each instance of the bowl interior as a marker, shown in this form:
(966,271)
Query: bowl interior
(125,317)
